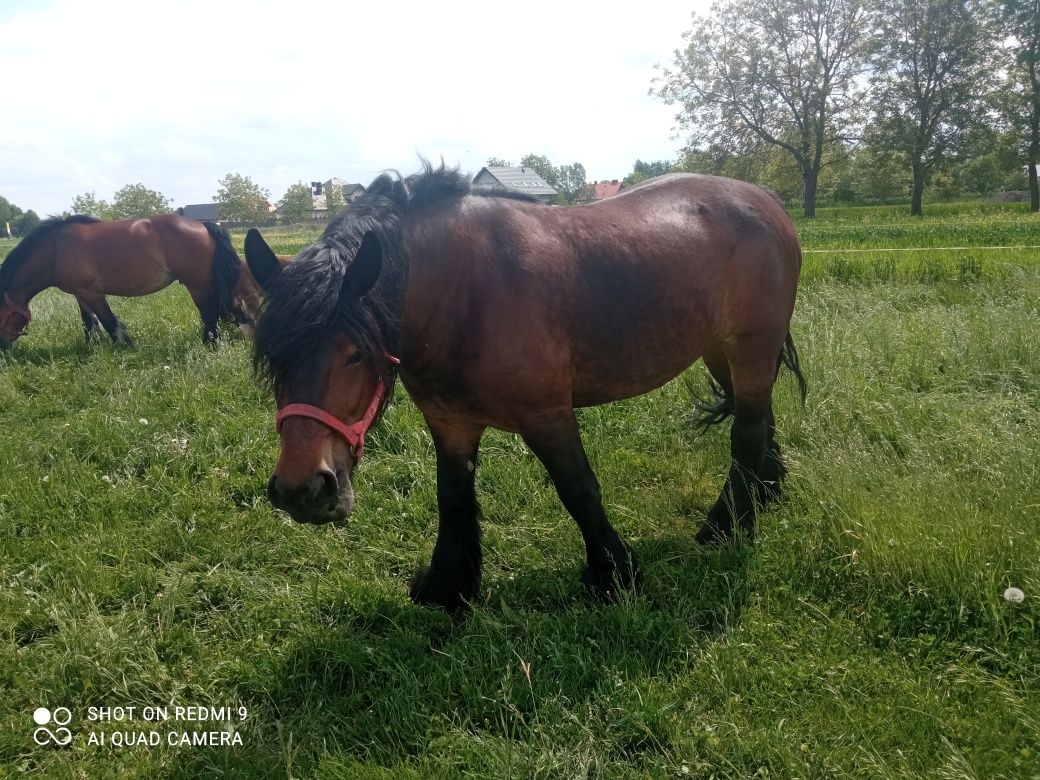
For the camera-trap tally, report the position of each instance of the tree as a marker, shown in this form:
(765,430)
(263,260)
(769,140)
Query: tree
(13,219)
(297,203)
(930,76)
(241,200)
(641,171)
(568,180)
(541,165)
(782,72)
(334,200)
(571,182)
(25,224)
(1021,24)
(136,200)
(88,205)
(498,162)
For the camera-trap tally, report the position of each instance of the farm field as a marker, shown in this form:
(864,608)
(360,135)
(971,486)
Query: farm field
(865,634)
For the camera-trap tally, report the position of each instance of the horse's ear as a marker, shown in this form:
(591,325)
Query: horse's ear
(262,261)
(363,272)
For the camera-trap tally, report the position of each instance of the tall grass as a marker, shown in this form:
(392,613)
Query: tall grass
(864,635)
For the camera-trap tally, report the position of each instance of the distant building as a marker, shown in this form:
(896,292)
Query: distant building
(200,211)
(319,209)
(599,190)
(522,179)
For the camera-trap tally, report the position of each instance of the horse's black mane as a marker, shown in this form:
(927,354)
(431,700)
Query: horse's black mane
(21,253)
(304,302)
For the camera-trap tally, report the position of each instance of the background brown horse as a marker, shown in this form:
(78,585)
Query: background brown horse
(90,259)
(507,313)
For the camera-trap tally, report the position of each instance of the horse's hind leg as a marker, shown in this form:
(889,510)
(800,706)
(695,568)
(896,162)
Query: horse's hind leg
(610,563)
(453,577)
(754,468)
(91,323)
(96,303)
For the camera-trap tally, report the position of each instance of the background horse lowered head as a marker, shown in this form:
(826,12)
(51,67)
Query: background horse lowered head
(506,313)
(90,259)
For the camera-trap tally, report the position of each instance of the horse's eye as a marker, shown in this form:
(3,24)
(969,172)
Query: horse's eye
(354,359)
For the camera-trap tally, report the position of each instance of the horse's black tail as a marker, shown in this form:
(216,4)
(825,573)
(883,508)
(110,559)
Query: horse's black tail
(714,410)
(789,357)
(227,268)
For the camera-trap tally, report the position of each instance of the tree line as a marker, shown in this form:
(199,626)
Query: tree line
(898,93)
(14,221)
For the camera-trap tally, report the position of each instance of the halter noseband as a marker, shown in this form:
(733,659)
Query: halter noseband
(354,434)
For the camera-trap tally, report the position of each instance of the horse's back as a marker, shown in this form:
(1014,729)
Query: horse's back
(134,256)
(583,305)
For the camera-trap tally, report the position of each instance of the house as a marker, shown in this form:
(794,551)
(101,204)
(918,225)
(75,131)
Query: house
(201,211)
(521,179)
(210,212)
(598,190)
(351,192)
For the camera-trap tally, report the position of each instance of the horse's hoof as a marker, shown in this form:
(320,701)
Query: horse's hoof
(712,534)
(436,587)
(606,582)
(718,529)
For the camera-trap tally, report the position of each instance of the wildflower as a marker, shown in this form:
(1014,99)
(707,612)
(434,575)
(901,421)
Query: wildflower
(1014,595)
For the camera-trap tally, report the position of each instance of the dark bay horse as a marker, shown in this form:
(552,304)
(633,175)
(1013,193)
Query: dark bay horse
(497,311)
(90,259)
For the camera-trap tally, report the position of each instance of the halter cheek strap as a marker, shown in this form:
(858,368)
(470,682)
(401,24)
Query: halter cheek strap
(354,434)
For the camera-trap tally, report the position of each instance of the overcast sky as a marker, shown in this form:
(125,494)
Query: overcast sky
(175,95)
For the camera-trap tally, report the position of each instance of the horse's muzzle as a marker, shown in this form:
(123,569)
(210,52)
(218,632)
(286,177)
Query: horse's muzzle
(317,501)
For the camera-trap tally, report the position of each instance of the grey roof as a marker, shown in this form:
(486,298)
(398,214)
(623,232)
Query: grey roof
(520,178)
(200,211)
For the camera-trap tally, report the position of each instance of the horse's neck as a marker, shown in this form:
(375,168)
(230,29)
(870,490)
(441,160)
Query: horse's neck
(35,276)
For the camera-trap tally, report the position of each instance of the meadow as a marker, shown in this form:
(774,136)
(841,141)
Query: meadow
(864,635)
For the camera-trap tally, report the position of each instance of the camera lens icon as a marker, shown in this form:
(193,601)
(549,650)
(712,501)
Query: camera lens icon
(60,717)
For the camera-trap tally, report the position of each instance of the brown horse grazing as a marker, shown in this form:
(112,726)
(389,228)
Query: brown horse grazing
(509,314)
(90,259)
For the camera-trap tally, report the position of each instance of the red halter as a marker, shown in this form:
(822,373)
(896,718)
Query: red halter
(354,434)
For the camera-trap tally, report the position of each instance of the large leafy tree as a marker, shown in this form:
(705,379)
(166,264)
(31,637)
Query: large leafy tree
(89,205)
(297,203)
(1021,23)
(136,200)
(641,171)
(779,72)
(133,200)
(241,199)
(932,65)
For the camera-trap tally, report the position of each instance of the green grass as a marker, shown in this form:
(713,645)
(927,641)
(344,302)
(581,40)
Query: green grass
(864,635)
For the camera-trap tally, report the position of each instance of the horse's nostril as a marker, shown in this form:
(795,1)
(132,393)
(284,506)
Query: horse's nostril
(327,485)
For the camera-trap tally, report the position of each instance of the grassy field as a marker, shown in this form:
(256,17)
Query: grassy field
(864,635)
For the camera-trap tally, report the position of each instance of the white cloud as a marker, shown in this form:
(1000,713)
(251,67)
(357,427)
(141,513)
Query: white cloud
(176,95)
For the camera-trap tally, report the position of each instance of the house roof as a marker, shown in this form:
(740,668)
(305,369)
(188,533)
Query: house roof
(605,189)
(208,211)
(524,179)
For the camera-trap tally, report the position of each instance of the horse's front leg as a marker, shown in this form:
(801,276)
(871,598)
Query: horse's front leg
(453,577)
(610,563)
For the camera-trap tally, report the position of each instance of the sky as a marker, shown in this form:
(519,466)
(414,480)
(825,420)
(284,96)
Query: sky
(176,95)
